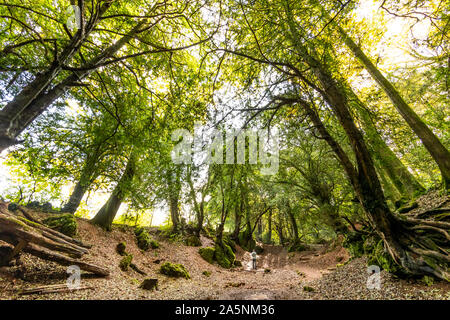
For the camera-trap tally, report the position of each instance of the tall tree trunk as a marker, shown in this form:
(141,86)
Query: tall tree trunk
(389,188)
(237,219)
(269,238)
(293,222)
(199,207)
(434,146)
(82,185)
(280,229)
(75,198)
(173,182)
(200,218)
(259,230)
(105,216)
(404,181)
(174,213)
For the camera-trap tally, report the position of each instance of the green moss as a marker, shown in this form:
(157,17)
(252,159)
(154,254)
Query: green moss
(308,289)
(354,243)
(208,232)
(382,259)
(224,255)
(207,254)
(429,281)
(64,223)
(144,241)
(28,222)
(369,245)
(206,273)
(401,202)
(154,244)
(121,247)
(412,205)
(174,270)
(125,262)
(228,241)
(24,223)
(193,241)
(301,274)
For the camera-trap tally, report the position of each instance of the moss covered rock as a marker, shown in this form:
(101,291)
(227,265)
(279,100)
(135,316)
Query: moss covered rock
(227,239)
(64,223)
(207,254)
(174,270)
(149,284)
(144,241)
(193,241)
(154,244)
(224,255)
(124,264)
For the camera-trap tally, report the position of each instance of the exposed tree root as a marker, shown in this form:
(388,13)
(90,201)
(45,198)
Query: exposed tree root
(421,247)
(38,240)
(51,289)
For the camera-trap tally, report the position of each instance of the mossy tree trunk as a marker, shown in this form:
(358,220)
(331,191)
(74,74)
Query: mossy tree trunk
(400,176)
(389,189)
(431,142)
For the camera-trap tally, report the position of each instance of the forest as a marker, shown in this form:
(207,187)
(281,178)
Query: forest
(159,148)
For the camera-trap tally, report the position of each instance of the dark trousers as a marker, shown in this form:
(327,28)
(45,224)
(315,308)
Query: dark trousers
(254,264)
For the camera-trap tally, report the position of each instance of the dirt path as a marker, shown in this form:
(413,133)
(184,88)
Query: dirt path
(280,274)
(273,257)
(277,270)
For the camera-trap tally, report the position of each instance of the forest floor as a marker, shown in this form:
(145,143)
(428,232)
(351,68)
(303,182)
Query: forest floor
(320,273)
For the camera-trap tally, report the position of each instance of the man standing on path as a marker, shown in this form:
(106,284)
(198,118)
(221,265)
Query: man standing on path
(254,259)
